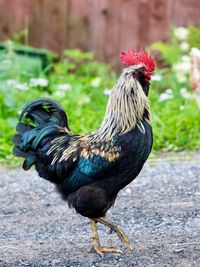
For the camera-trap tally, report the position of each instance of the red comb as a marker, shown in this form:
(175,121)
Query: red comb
(133,58)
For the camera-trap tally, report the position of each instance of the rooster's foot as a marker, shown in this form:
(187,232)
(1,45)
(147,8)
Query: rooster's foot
(118,230)
(101,250)
(96,247)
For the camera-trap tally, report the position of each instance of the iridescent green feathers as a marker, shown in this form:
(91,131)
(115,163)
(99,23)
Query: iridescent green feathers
(49,144)
(44,116)
(92,157)
(45,110)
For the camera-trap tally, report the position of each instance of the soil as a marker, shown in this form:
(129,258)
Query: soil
(159,211)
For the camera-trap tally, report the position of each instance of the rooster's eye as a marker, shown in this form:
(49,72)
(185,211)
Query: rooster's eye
(135,74)
(140,75)
(138,72)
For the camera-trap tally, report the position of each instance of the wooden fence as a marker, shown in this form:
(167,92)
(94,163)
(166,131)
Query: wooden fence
(102,26)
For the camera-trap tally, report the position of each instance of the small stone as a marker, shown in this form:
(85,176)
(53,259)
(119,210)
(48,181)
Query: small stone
(128,191)
(178,250)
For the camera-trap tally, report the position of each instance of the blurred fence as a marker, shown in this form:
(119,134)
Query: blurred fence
(102,26)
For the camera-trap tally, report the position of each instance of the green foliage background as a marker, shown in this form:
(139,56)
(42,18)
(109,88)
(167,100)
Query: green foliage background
(85,102)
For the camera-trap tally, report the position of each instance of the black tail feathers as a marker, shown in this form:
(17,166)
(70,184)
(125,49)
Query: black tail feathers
(45,110)
(46,117)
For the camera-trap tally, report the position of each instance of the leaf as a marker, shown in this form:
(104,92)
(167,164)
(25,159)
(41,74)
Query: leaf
(77,55)
(194,36)
(170,53)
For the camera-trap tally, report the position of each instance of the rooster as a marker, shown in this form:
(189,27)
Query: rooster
(89,170)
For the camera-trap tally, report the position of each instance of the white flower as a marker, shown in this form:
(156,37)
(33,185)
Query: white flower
(184,46)
(21,86)
(168,91)
(156,77)
(182,107)
(186,59)
(11,82)
(84,100)
(95,82)
(165,96)
(17,85)
(181,78)
(39,82)
(168,94)
(186,66)
(183,90)
(182,67)
(60,93)
(64,87)
(181,33)
(107,91)
(185,94)
(195,52)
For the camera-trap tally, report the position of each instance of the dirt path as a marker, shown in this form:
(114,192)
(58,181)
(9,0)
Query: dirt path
(159,211)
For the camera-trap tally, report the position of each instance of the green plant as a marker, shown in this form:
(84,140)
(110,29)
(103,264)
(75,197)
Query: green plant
(175,122)
(194,36)
(175,111)
(170,53)
(78,83)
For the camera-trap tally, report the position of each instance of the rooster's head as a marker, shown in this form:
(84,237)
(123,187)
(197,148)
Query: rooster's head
(128,103)
(140,66)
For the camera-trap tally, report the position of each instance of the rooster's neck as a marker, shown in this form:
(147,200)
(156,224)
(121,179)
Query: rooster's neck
(127,106)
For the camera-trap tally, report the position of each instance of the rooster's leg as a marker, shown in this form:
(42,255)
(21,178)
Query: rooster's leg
(96,247)
(117,229)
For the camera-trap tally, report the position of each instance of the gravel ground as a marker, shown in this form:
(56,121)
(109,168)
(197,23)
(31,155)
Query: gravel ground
(159,211)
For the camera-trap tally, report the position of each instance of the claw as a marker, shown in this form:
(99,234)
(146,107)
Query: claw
(97,249)
(101,250)
(117,229)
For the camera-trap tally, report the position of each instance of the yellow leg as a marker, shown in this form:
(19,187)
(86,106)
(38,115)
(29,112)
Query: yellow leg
(96,247)
(117,229)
